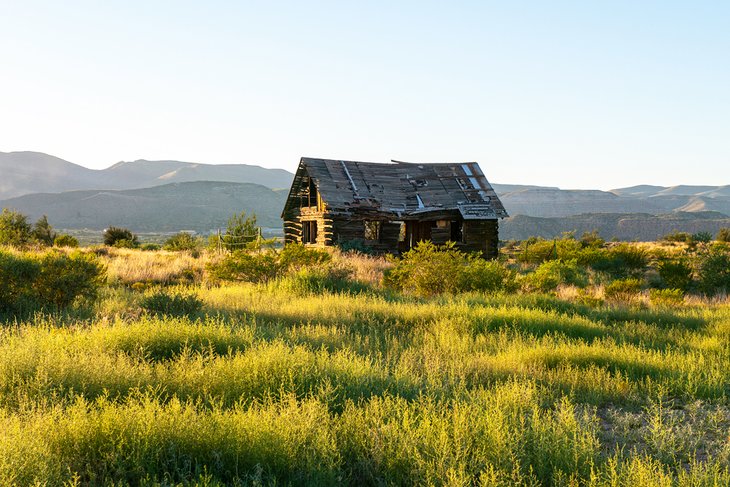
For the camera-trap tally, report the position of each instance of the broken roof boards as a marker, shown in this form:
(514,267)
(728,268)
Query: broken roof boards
(399,189)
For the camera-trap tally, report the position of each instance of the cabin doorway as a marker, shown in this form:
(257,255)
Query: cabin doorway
(416,232)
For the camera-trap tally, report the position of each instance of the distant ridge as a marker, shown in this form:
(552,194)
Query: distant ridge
(36,172)
(199,206)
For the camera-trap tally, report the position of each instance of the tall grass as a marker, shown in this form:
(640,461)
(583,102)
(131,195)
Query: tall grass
(272,386)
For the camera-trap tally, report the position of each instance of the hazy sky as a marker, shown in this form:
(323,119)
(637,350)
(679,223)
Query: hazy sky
(580,94)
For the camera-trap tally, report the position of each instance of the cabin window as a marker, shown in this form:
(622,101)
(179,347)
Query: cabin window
(312,193)
(372,230)
(457,231)
(401,230)
(309,232)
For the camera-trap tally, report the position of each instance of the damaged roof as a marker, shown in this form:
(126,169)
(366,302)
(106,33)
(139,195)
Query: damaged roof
(400,188)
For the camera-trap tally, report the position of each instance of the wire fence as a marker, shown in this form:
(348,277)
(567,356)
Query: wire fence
(227,241)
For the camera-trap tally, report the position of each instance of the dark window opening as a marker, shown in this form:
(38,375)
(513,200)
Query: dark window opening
(309,232)
(372,230)
(457,231)
(312,193)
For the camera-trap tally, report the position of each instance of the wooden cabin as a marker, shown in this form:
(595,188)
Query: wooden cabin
(390,207)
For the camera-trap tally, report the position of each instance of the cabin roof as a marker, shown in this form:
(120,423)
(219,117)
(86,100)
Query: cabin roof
(400,188)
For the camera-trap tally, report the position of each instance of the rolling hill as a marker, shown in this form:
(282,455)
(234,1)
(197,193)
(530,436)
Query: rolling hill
(201,206)
(35,172)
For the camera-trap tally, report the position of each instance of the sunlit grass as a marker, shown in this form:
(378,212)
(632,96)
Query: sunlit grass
(267,385)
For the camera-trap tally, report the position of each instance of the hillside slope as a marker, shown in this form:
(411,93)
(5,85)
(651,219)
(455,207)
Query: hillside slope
(199,206)
(626,226)
(35,172)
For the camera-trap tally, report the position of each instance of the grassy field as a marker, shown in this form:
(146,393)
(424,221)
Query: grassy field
(271,384)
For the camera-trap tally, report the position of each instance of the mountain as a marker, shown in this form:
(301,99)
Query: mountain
(554,202)
(199,206)
(628,226)
(35,172)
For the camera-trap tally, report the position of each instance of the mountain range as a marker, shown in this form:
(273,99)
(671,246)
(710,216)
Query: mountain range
(34,172)
(174,195)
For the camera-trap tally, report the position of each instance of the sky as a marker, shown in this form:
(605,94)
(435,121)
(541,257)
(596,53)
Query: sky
(571,94)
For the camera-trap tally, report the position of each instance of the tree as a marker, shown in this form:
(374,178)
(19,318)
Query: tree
(120,237)
(43,232)
(14,228)
(240,231)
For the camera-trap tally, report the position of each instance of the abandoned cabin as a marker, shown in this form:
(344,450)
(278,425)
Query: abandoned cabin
(390,207)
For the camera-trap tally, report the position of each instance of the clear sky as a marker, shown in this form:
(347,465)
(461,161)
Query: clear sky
(580,94)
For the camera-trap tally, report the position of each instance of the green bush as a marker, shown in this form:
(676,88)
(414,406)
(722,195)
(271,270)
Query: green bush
(181,241)
(620,261)
(714,272)
(321,278)
(241,265)
(487,276)
(17,275)
(14,228)
(63,278)
(537,250)
(53,279)
(702,237)
(296,255)
(120,237)
(549,275)
(675,274)
(429,269)
(678,237)
(623,290)
(172,304)
(666,298)
(723,235)
(150,247)
(65,240)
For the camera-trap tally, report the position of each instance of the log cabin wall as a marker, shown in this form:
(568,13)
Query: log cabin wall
(390,207)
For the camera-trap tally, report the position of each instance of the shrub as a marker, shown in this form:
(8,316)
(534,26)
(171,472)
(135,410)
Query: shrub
(487,276)
(120,237)
(65,240)
(591,240)
(428,269)
(63,278)
(723,235)
(702,237)
(14,228)
(678,237)
(536,251)
(17,275)
(246,266)
(295,255)
(549,275)
(240,231)
(181,241)
(668,298)
(623,290)
(172,304)
(620,261)
(150,247)
(322,278)
(714,272)
(675,274)
(53,279)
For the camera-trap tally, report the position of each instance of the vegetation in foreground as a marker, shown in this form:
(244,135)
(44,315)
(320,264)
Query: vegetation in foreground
(569,362)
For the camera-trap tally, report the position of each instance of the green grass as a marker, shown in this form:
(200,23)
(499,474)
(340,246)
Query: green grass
(270,386)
